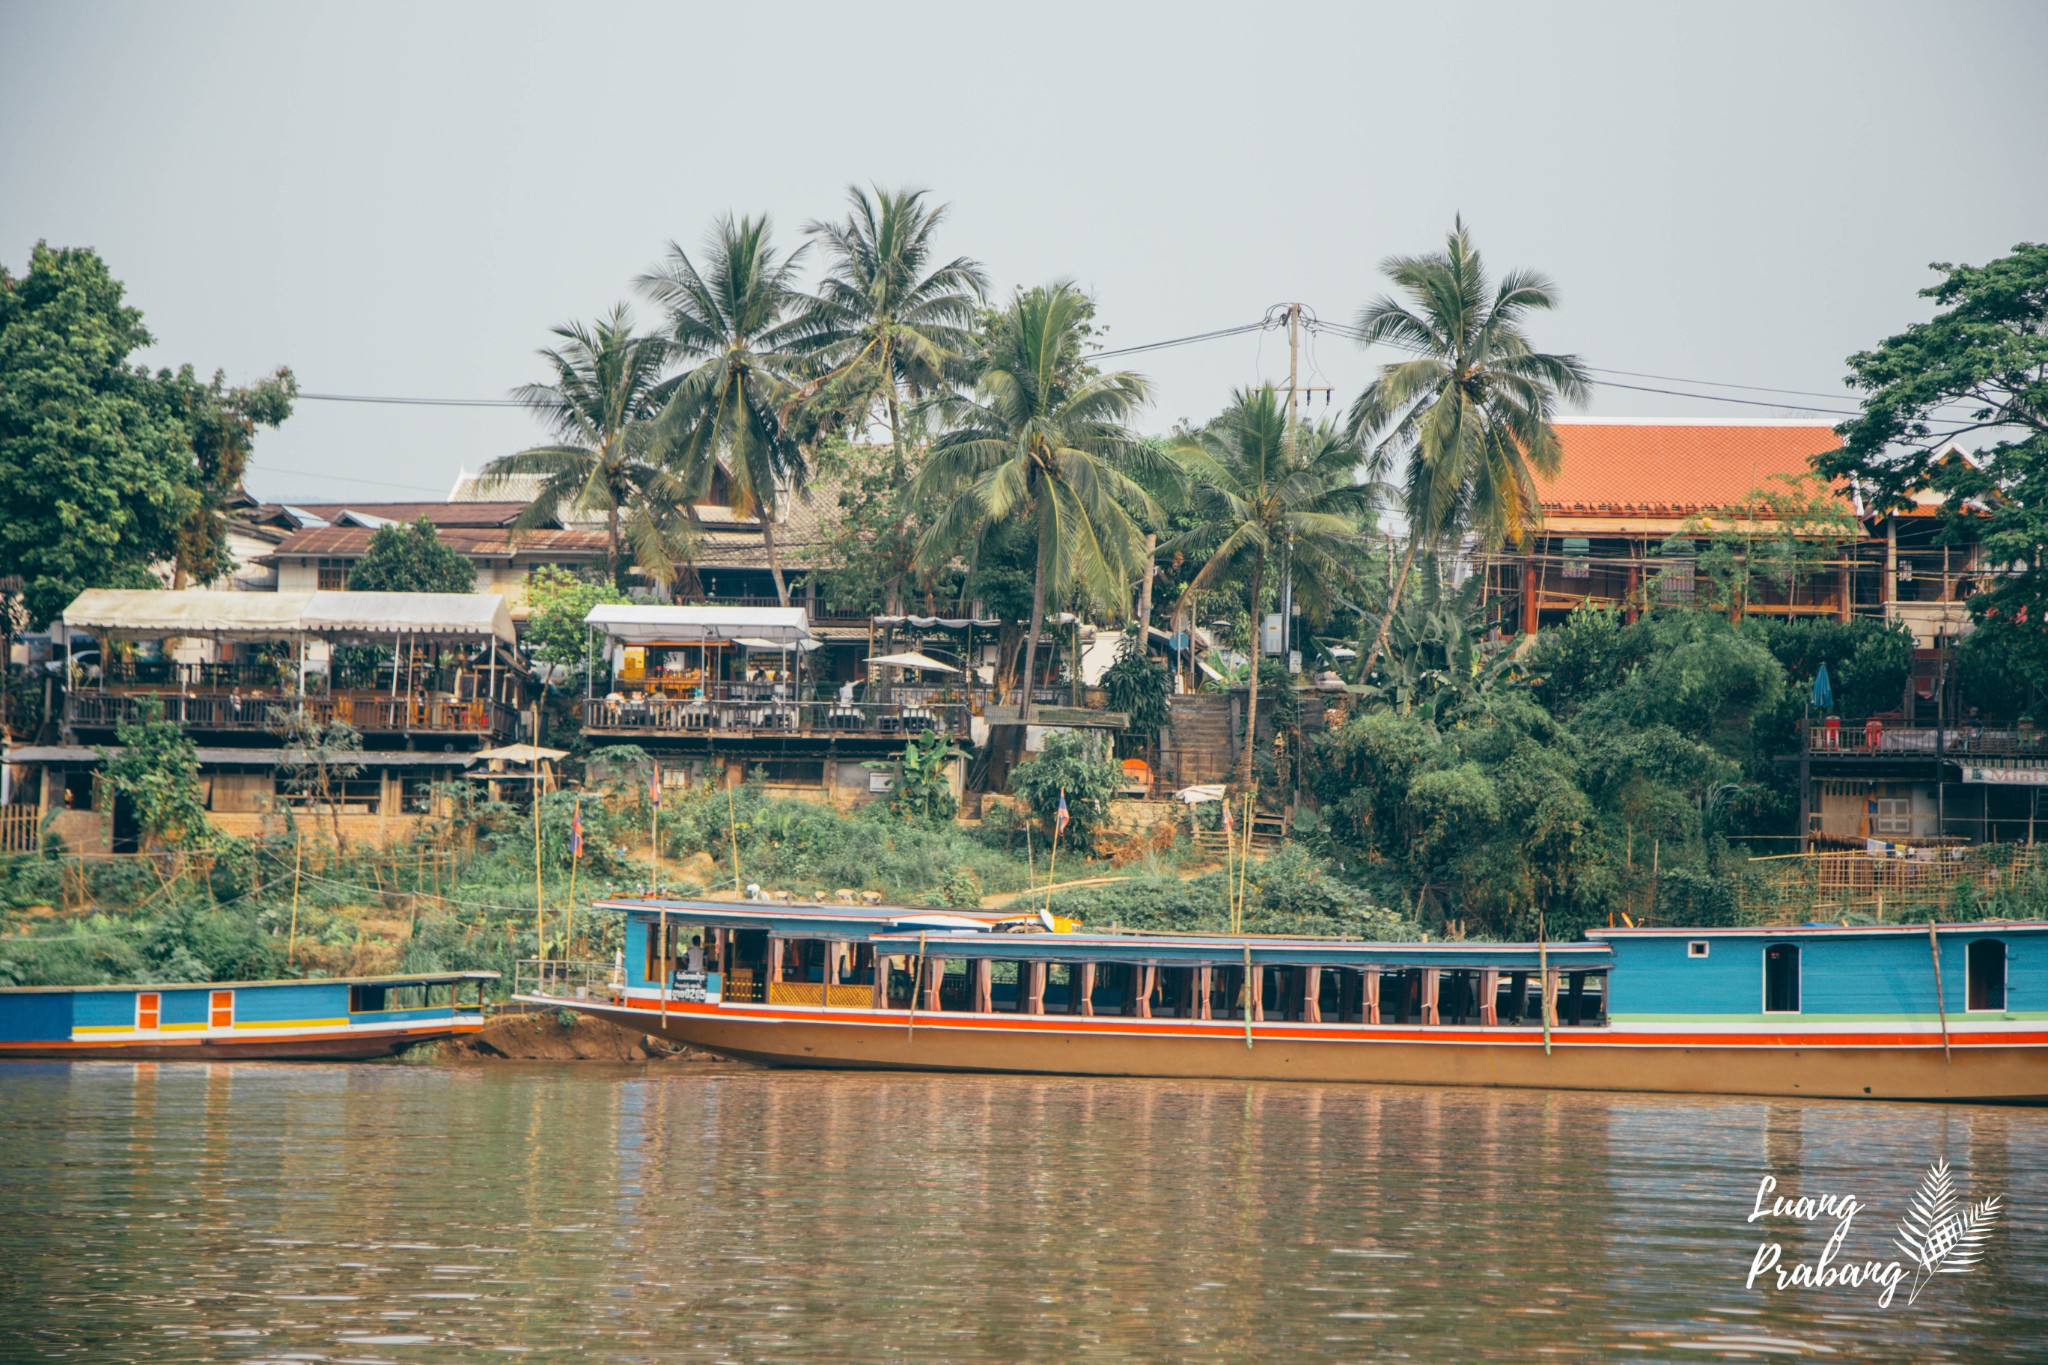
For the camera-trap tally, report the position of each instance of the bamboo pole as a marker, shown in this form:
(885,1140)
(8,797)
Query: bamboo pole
(575,859)
(732,829)
(1940,1004)
(1543,981)
(539,892)
(1244,864)
(916,988)
(298,861)
(1247,996)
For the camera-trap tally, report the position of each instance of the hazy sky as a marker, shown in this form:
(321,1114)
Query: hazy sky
(402,199)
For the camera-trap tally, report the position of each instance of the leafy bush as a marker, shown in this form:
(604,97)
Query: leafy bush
(1075,765)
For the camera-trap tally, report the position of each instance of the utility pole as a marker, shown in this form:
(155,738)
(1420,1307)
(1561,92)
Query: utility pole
(1288,444)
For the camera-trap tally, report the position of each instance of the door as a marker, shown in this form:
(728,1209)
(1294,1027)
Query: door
(147,1010)
(221,1013)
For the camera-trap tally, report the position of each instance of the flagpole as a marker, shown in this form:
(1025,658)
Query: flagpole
(1054,861)
(540,902)
(654,833)
(1229,862)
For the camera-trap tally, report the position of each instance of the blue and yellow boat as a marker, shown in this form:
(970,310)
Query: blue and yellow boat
(332,1019)
(1950,1012)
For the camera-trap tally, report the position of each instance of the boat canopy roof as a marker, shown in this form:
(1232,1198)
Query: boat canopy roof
(974,933)
(397,979)
(1986,926)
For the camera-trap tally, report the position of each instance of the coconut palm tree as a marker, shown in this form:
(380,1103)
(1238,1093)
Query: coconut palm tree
(1470,413)
(738,324)
(1043,439)
(1262,492)
(600,409)
(886,320)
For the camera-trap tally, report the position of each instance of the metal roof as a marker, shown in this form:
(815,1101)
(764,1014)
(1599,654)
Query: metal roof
(225,757)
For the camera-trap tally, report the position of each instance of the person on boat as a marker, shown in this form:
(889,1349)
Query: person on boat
(696,954)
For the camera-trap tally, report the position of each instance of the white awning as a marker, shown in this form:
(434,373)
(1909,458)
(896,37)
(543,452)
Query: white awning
(149,612)
(637,623)
(911,659)
(275,615)
(368,615)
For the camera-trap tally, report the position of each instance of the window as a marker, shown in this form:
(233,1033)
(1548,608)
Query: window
(1576,548)
(333,575)
(1894,816)
(1675,581)
(1696,948)
(1986,964)
(1781,978)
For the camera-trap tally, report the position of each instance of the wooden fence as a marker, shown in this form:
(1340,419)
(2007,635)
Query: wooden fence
(1788,890)
(20,829)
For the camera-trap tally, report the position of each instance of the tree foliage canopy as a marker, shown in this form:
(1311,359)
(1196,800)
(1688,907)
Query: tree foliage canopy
(411,559)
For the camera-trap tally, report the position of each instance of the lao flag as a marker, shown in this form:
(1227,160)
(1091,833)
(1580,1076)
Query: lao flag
(1060,817)
(654,786)
(576,831)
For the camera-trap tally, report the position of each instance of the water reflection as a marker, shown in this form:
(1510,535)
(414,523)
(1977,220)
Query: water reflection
(170,1211)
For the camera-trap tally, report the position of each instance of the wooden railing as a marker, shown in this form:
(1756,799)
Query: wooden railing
(1877,738)
(366,711)
(728,710)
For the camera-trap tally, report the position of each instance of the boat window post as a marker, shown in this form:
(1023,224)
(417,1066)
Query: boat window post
(1086,990)
(1369,1005)
(1205,985)
(1432,983)
(1489,996)
(1311,995)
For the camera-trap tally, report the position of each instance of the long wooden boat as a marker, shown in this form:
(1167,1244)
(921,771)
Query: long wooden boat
(1958,1012)
(330,1019)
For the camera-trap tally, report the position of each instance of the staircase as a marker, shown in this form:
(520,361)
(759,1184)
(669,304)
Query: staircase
(1195,746)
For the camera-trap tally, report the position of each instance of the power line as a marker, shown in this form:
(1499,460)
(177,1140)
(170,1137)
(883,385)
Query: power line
(414,402)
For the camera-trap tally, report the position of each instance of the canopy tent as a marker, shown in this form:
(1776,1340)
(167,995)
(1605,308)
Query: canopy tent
(911,659)
(636,623)
(152,613)
(521,753)
(427,615)
(275,615)
(779,647)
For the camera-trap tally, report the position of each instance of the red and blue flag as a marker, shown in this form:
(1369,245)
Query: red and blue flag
(1061,817)
(654,786)
(576,830)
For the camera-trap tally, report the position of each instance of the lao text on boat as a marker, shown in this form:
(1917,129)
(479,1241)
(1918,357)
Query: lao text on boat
(336,1019)
(1887,1012)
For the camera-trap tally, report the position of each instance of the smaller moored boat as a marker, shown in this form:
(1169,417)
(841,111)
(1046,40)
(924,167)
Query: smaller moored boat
(325,1019)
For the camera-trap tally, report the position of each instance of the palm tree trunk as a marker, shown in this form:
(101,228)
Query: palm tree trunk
(1379,643)
(1031,641)
(1251,710)
(896,433)
(611,530)
(774,559)
(1145,585)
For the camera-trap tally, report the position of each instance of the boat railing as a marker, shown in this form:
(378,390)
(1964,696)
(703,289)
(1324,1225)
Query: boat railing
(566,979)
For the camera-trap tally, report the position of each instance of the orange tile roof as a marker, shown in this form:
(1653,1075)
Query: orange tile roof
(1675,468)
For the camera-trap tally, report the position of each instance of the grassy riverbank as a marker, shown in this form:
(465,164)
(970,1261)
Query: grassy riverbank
(464,897)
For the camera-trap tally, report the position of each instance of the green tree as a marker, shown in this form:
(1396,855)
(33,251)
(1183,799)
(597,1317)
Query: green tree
(1977,370)
(1782,535)
(923,788)
(739,325)
(317,759)
(1139,687)
(157,768)
(1262,493)
(411,559)
(1469,416)
(887,319)
(1044,440)
(222,423)
(600,410)
(557,601)
(96,467)
(1076,765)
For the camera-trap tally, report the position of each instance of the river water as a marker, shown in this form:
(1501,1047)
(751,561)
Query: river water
(414,1213)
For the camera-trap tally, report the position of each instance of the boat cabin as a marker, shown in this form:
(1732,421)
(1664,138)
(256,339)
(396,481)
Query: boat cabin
(938,962)
(1830,973)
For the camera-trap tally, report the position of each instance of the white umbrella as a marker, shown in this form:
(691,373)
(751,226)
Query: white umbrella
(911,659)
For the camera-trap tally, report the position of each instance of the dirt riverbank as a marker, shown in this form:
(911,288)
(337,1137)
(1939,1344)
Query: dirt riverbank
(561,1036)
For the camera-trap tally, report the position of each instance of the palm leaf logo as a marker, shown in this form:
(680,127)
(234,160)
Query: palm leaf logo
(1942,1234)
